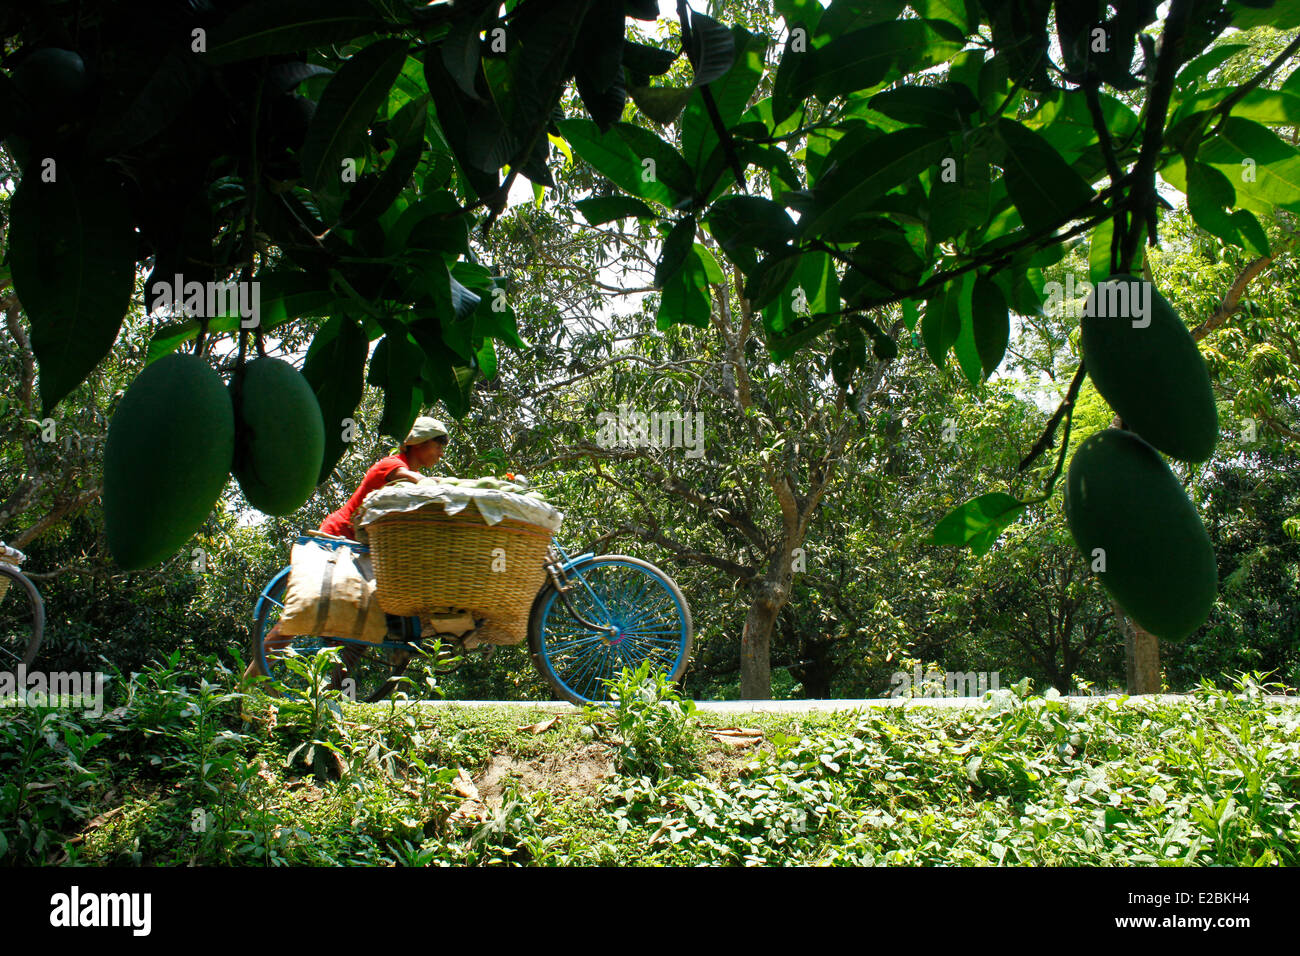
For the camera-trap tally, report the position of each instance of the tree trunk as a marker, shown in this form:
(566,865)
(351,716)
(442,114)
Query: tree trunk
(1142,654)
(816,674)
(756,642)
(1141,648)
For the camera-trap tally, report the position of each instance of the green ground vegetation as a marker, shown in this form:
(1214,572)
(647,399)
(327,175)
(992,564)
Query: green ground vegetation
(183,768)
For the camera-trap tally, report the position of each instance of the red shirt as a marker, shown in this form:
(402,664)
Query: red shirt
(340,522)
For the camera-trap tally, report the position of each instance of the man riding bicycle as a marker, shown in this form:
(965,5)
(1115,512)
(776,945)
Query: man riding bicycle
(422,448)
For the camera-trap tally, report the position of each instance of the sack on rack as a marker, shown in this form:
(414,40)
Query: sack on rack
(331,592)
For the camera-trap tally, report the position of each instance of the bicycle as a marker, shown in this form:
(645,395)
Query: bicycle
(22,612)
(593,616)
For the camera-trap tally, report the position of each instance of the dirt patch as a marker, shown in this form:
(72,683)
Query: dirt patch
(722,762)
(579,771)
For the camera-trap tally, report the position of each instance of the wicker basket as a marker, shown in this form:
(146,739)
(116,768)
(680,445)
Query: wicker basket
(428,559)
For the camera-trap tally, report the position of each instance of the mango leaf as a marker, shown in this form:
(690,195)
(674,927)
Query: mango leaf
(960,196)
(423,225)
(711,268)
(1201,66)
(848,15)
(685,299)
(335,368)
(457,115)
(992,324)
(1045,190)
(494,318)
(1099,251)
(790,86)
(769,276)
(1064,120)
(603,209)
(731,93)
(911,314)
(1263,169)
(486,356)
(934,106)
(72,254)
(884,262)
(863,58)
(460,50)
(712,48)
(744,223)
(1209,197)
(965,347)
(677,246)
(1020,38)
(647,60)
(636,160)
(539,57)
(663,104)
(1281,15)
(1271,107)
(804,307)
(811,286)
(445,376)
(597,63)
(849,356)
(395,369)
(667,164)
(979,522)
(852,184)
(347,107)
(164,98)
(781,345)
(941,323)
(963,14)
(262,29)
(369,201)
(882,346)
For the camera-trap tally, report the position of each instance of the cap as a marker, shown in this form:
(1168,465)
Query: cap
(425,429)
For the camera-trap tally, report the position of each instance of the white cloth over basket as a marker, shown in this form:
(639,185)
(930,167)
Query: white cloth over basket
(493,505)
(11,557)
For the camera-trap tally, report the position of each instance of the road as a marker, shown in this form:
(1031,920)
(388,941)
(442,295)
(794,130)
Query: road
(806,706)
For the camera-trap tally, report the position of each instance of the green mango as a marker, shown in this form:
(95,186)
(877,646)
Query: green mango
(280,436)
(1151,374)
(53,84)
(170,446)
(1122,498)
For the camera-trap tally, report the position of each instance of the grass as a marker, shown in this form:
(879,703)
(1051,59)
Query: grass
(184,769)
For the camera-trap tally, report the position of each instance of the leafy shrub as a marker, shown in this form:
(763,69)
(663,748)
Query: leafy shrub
(654,729)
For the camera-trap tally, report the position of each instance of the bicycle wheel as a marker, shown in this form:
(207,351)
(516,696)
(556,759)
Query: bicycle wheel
(373,669)
(22,619)
(642,603)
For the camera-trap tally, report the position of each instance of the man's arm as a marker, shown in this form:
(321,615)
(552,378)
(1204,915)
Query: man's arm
(405,474)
